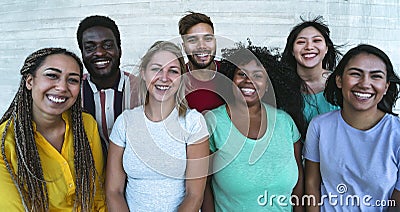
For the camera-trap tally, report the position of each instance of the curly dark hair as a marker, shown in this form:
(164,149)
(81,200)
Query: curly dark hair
(287,96)
(334,94)
(97,20)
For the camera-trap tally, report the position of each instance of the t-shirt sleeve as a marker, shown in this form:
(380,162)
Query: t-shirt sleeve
(196,126)
(118,133)
(293,128)
(311,145)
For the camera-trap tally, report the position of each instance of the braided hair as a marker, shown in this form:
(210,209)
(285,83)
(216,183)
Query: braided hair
(29,178)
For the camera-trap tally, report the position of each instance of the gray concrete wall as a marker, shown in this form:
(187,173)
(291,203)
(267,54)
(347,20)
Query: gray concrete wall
(27,25)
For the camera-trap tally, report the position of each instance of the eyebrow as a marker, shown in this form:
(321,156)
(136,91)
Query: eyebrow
(254,71)
(162,66)
(59,71)
(360,70)
(317,36)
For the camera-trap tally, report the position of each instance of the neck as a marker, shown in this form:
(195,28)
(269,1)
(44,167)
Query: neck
(158,111)
(315,78)
(205,74)
(105,82)
(245,109)
(362,120)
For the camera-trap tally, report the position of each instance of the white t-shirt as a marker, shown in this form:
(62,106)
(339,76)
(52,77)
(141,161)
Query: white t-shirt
(155,156)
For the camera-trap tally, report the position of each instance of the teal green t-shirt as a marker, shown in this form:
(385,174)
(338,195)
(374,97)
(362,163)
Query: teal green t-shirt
(242,183)
(316,104)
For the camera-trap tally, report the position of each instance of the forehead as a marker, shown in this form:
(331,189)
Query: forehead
(63,62)
(200,28)
(252,66)
(309,32)
(97,33)
(367,62)
(164,58)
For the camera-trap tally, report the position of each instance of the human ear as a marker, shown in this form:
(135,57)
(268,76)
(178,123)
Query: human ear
(28,82)
(339,81)
(386,87)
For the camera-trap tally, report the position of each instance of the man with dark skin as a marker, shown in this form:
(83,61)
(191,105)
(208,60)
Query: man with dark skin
(106,90)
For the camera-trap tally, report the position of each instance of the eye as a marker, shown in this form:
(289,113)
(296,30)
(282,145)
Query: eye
(209,38)
(74,81)
(175,70)
(317,40)
(192,40)
(108,45)
(90,47)
(155,69)
(377,76)
(241,74)
(257,76)
(354,74)
(51,75)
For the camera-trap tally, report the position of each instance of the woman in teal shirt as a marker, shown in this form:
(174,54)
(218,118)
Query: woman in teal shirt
(311,54)
(256,149)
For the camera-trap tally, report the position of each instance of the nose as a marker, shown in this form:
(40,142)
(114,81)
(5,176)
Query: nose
(201,43)
(163,75)
(365,82)
(309,45)
(100,51)
(61,85)
(247,79)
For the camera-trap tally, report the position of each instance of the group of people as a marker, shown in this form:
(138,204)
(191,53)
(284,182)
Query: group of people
(254,131)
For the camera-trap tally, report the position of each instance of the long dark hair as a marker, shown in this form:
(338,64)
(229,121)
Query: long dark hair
(334,94)
(29,178)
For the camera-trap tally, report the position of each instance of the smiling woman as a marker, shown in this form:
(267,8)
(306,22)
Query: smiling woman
(248,135)
(154,156)
(51,157)
(357,146)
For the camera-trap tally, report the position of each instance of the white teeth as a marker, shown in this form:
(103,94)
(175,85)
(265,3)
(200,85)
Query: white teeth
(161,87)
(362,95)
(102,62)
(56,100)
(248,91)
(202,55)
(310,55)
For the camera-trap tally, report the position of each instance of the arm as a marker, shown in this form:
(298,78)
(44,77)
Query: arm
(395,197)
(312,184)
(196,174)
(115,179)
(299,188)
(208,202)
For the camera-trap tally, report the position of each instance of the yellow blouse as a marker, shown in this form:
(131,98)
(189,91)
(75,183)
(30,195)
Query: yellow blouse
(58,168)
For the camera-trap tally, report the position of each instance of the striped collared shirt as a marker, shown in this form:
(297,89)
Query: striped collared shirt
(106,104)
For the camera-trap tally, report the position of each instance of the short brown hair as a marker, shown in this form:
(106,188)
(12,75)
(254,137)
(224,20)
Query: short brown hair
(191,19)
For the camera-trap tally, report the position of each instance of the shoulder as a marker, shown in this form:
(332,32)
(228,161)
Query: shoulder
(219,110)
(280,114)
(192,115)
(88,119)
(329,116)
(392,122)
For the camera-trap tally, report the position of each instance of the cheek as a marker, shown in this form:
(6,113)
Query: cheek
(75,90)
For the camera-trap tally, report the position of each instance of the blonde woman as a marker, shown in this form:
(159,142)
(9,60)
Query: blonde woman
(151,162)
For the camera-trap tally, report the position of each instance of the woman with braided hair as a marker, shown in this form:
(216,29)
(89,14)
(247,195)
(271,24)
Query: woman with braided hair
(51,157)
